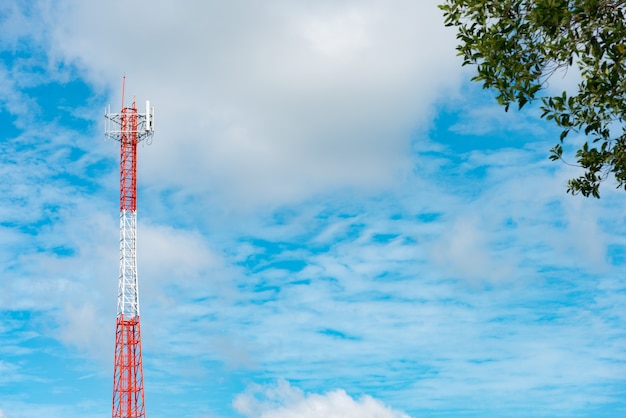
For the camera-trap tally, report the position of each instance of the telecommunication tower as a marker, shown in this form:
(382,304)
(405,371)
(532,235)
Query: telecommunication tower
(129,127)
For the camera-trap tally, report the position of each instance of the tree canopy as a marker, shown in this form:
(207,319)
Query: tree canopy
(517,45)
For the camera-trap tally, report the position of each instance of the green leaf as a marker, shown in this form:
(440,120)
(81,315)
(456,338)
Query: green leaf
(518,45)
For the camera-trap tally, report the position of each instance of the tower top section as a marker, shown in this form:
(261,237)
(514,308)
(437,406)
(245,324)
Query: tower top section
(129,126)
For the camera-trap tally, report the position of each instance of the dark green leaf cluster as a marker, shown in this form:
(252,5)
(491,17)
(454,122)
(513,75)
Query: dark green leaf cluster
(517,45)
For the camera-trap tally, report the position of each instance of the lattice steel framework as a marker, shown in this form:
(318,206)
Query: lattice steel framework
(129,127)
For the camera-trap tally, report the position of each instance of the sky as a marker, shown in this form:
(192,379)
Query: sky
(333,221)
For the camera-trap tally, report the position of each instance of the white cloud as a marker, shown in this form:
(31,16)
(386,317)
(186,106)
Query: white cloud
(87,328)
(171,255)
(254,102)
(341,36)
(8,372)
(464,252)
(286,401)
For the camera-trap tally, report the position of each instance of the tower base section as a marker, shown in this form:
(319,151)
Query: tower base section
(128,400)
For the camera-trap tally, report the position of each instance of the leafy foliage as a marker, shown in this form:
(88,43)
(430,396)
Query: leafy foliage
(517,45)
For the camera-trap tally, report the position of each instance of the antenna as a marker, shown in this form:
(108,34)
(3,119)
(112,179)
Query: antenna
(123,86)
(148,118)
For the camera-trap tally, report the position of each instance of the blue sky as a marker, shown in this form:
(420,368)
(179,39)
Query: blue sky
(333,221)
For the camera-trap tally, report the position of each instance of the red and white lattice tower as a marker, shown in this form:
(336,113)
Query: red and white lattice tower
(129,127)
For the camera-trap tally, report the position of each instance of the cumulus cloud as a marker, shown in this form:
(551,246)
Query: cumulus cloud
(285,401)
(267,102)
